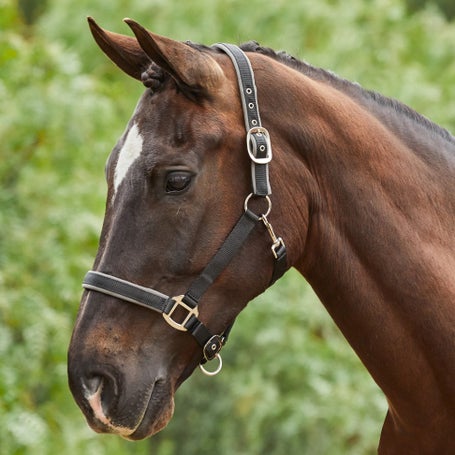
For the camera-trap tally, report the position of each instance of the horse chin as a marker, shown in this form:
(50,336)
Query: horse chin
(153,422)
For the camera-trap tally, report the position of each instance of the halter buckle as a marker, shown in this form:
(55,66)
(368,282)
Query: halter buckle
(212,347)
(253,136)
(178,302)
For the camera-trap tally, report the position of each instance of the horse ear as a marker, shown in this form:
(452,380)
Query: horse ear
(190,67)
(123,50)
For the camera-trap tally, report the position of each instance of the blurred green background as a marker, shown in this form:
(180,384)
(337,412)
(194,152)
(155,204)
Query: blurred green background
(290,384)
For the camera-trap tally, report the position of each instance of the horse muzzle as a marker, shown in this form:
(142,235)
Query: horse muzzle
(112,404)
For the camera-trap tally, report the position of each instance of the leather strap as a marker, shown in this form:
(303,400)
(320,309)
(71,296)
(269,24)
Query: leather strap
(130,292)
(156,301)
(281,264)
(258,139)
(222,258)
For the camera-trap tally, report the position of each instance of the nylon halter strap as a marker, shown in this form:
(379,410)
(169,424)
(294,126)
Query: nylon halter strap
(172,308)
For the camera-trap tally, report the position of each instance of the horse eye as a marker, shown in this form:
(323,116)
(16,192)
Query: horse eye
(177,182)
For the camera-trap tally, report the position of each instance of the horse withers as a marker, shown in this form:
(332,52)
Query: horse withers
(201,216)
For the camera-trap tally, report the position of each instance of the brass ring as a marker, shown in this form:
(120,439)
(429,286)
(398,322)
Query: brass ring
(214,372)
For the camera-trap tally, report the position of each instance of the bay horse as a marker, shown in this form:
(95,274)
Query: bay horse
(363,207)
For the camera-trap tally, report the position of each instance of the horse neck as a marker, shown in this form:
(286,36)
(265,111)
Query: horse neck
(379,247)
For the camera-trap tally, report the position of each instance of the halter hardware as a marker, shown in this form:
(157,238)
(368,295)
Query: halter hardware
(258,143)
(266,198)
(260,152)
(278,242)
(214,372)
(178,302)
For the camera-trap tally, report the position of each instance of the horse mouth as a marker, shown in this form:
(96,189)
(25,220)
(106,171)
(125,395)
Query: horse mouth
(155,417)
(143,417)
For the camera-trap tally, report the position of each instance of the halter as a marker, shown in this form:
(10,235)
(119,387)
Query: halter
(260,152)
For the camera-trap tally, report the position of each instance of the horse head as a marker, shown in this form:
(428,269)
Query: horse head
(362,194)
(177,181)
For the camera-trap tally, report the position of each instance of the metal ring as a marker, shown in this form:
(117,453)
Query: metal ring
(214,372)
(269,208)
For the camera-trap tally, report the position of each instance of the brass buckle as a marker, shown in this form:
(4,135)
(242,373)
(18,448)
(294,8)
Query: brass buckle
(178,302)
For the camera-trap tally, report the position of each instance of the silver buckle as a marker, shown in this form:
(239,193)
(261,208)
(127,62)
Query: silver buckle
(192,311)
(258,130)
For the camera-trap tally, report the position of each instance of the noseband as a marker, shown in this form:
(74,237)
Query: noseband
(260,152)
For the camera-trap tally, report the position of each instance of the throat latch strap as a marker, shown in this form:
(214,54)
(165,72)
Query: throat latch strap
(258,145)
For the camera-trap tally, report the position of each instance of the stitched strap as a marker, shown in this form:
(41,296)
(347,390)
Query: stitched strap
(116,287)
(258,140)
(153,300)
(222,258)
(280,266)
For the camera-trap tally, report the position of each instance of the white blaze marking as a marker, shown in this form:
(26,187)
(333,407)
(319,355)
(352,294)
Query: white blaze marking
(129,153)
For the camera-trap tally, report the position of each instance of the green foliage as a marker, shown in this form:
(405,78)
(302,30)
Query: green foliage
(31,9)
(447,7)
(290,383)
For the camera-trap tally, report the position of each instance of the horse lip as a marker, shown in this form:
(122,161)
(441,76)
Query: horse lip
(156,417)
(103,423)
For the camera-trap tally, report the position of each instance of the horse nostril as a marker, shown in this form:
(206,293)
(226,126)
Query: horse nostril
(93,384)
(101,394)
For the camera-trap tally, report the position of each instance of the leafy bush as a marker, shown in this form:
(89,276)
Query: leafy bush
(291,383)
(447,7)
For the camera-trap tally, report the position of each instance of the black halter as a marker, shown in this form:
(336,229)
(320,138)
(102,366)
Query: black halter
(260,152)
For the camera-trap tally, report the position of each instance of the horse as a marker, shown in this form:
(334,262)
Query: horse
(363,193)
